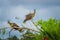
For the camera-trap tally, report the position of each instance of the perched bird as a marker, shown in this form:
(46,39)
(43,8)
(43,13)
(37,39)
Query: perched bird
(13,25)
(29,16)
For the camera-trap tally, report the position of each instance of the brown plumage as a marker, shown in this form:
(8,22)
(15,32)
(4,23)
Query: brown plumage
(29,16)
(13,25)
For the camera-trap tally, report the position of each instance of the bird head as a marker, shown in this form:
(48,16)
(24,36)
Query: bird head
(9,23)
(34,11)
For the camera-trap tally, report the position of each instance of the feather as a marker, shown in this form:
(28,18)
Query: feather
(29,16)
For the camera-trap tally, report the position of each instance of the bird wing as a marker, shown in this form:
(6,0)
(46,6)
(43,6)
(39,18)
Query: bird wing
(28,15)
(15,24)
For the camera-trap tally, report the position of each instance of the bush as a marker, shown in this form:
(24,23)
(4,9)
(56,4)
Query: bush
(50,29)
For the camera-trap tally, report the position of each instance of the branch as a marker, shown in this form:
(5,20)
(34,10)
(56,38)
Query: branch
(37,26)
(20,28)
(29,35)
(28,29)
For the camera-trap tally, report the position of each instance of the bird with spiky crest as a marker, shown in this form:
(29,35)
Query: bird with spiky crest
(13,25)
(30,16)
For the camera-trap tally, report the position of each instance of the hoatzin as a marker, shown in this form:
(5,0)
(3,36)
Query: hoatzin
(13,25)
(29,16)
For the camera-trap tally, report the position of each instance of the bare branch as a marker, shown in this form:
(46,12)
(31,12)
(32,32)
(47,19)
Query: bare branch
(21,29)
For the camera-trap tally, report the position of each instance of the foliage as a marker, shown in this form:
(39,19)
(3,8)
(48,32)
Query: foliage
(50,29)
(2,31)
(13,38)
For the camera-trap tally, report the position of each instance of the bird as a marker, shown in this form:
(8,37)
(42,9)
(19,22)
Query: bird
(13,25)
(29,16)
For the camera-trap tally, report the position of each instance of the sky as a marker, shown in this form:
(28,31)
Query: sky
(45,9)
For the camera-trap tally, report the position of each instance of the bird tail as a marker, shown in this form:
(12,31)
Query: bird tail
(24,21)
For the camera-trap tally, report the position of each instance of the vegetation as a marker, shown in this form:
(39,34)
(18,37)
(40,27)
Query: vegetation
(50,30)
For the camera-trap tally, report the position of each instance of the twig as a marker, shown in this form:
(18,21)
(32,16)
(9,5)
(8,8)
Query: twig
(29,29)
(35,25)
(20,28)
(29,35)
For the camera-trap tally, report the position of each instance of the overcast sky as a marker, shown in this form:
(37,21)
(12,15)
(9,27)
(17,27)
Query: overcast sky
(45,8)
(9,9)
